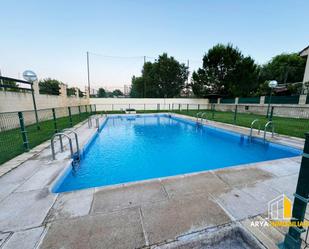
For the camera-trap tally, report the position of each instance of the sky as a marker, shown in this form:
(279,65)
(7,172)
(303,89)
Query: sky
(52,37)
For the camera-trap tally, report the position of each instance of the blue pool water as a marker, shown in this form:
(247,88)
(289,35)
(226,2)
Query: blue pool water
(143,147)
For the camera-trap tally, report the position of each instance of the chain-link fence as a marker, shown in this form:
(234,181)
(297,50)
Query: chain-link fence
(21,131)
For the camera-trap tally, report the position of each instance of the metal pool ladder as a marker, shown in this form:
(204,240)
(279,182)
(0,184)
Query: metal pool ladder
(60,135)
(97,122)
(202,117)
(252,124)
(272,129)
(198,115)
(76,140)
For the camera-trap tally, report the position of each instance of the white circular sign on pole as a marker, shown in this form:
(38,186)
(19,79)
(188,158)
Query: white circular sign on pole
(273,84)
(30,76)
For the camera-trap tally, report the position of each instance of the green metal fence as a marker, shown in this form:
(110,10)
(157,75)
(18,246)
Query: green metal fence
(227,101)
(19,131)
(252,100)
(291,121)
(283,99)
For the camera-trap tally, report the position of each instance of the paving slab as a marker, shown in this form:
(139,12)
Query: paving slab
(71,204)
(196,183)
(281,167)
(27,239)
(268,243)
(241,205)
(270,231)
(25,210)
(21,173)
(42,178)
(111,199)
(242,176)
(3,238)
(284,185)
(164,221)
(6,189)
(122,229)
(261,192)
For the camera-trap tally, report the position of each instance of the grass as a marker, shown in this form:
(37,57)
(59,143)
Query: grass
(11,143)
(287,126)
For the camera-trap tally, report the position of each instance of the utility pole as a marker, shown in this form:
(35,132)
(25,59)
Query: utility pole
(88,73)
(144,80)
(188,65)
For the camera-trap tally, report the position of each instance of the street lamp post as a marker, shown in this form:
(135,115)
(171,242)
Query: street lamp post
(272,84)
(31,77)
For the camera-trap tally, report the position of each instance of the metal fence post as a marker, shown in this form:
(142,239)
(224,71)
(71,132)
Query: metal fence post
(86,110)
(198,107)
(79,112)
(95,108)
(169,107)
(55,120)
(293,237)
(70,117)
(178,107)
(235,114)
(23,131)
(271,113)
(35,109)
(90,107)
(187,107)
(213,106)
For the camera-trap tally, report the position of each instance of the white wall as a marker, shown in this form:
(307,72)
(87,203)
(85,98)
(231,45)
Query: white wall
(21,101)
(109,104)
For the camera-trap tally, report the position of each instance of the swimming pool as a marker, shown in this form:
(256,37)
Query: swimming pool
(133,148)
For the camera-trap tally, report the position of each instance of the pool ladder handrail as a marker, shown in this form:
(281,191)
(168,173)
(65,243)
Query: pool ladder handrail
(251,128)
(97,123)
(202,117)
(89,122)
(70,131)
(272,129)
(60,134)
(198,116)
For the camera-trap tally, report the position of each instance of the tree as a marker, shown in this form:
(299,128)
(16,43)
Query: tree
(165,77)
(285,68)
(137,89)
(71,91)
(80,94)
(226,72)
(49,86)
(101,93)
(9,83)
(117,93)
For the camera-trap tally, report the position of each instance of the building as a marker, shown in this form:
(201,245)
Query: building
(305,53)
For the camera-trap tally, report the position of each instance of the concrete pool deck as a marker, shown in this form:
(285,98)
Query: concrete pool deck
(154,213)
